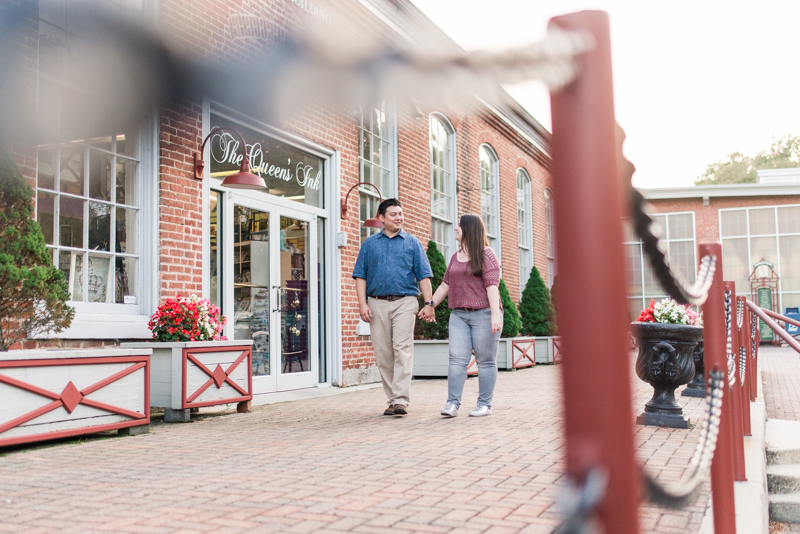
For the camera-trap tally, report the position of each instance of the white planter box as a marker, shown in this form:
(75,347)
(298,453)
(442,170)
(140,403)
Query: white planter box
(431,357)
(49,394)
(192,374)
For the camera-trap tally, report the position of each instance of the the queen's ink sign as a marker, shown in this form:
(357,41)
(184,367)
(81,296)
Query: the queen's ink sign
(288,172)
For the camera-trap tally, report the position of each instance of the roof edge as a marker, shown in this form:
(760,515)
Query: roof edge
(717,191)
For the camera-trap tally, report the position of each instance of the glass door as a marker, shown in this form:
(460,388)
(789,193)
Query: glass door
(251,317)
(273,292)
(296,288)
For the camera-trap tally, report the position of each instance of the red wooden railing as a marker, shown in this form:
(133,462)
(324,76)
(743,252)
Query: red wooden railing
(590,202)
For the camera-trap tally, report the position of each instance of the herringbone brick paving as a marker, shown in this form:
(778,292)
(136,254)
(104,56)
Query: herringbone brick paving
(333,465)
(780,372)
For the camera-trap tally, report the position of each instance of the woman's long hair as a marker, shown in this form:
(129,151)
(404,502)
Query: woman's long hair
(473,241)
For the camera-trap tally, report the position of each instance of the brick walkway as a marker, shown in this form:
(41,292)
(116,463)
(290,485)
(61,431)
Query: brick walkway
(780,372)
(332,465)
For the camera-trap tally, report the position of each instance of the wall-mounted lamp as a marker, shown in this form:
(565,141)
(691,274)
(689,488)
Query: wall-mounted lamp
(375,222)
(243,179)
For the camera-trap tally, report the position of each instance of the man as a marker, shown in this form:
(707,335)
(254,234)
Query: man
(391,269)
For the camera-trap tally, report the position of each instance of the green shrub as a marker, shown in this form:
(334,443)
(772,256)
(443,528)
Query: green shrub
(440,329)
(536,307)
(33,292)
(511,322)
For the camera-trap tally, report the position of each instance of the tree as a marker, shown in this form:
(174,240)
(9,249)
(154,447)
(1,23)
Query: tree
(536,307)
(33,292)
(441,328)
(554,300)
(511,322)
(740,169)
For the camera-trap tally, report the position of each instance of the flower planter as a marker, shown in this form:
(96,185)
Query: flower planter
(431,357)
(49,394)
(665,361)
(193,374)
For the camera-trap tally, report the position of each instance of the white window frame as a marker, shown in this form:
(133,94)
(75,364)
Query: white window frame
(524,228)
(550,236)
(125,321)
(450,157)
(364,192)
(777,235)
(493,191)
(666,240)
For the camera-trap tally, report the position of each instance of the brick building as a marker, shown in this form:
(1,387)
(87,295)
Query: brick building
(752,221)
(130,225)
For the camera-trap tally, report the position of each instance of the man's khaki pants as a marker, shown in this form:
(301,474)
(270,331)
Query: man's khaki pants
(392,331)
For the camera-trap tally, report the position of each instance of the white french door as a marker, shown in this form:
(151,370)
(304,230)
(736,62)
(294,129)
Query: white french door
(270,290)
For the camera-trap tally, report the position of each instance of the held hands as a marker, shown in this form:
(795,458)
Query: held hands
(497,323)
(366,313)
(427,314)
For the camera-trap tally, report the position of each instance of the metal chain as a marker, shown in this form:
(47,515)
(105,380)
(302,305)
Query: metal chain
(577,502)
(672,282)
(729,345)
(685,491)
(753,332)
(739,314)
(742,364)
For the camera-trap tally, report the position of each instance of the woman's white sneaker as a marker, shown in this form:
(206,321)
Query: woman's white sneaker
(480,410)
(450,409)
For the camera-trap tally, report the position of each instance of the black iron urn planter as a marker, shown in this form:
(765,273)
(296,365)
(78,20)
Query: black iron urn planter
(697,387)
(666,362)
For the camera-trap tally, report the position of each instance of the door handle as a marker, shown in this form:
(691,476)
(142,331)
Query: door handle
(280,298)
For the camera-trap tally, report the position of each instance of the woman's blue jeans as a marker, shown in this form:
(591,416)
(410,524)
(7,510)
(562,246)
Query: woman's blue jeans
(472,331)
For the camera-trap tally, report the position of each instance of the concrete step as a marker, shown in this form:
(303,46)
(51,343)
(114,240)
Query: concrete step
(783,478)
(783,442)
(785,507)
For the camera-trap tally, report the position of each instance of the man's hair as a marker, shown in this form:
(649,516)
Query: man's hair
(386,204)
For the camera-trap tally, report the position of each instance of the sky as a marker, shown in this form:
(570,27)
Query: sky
(693,80)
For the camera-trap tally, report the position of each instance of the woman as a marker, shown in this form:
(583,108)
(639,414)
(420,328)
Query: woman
(471,279)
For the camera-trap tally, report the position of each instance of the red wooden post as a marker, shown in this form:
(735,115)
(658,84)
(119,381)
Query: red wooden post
(744,385)
(714,343)
(589,210)
(735,397)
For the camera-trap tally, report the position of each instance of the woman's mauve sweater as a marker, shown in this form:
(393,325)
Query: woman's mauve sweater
(467,290)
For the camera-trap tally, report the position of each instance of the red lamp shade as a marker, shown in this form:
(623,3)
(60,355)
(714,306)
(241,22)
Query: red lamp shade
(375,222)
(244,179)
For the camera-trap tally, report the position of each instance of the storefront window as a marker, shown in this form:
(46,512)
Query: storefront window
(89,213)
(288,172)
(88,188)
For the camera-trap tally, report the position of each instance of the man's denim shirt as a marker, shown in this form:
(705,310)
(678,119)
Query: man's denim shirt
(392,266)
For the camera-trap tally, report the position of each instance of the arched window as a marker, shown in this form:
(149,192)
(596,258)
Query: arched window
(552,268)
(524,227)
(490,195)
(443,208)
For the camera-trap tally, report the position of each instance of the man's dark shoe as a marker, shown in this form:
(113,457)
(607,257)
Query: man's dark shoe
(389,410)
(399,409)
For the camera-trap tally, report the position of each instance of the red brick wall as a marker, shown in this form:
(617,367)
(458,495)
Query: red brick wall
(706,218)
(180,210)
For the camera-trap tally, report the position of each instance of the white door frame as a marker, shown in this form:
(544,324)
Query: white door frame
(276,380)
